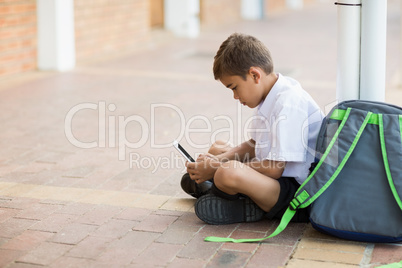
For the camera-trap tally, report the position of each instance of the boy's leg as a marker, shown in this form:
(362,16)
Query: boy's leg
(191,187)
(237,178)
(227,204)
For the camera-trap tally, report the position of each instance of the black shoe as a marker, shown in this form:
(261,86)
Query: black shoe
(192,188)
(216,210)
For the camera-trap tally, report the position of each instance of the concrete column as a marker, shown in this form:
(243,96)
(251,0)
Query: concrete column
(373,50)
(56,42)
(348,57)
(252,9)
(182,17)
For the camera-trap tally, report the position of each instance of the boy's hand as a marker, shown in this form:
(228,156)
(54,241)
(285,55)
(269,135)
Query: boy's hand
(203,169)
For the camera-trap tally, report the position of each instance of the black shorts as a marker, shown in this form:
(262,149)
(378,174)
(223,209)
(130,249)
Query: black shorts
(289,187)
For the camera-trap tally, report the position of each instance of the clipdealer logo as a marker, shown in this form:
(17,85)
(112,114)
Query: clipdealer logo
(111,130)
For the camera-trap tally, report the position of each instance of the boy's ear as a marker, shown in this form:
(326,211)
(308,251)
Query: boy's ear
(255,74)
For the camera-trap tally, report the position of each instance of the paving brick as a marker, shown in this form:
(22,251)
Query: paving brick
(90,247)
(189,218)
(123,199)
(290,236)
(263,226)
(18,190)
(97,197)
(18,202)
(123,251)
(197,248)
(54,223)
(296,263)
(270,256)
(155,223)
(158,254)
(178,234)
(38,211)
(35,167)
(73,233)
(115,228)
(328,256)
(23,265)
(7,213)
(133,214)
(99,215)
(175,213)
(7,256)
(179,204)
(78,171)
(228,258)
(45,253)
(27,240)
(310,232)
(387,253)
(71,262)
(184,263)
(13,227)
(76,208)
(151,201)
(56,192)
(340,246)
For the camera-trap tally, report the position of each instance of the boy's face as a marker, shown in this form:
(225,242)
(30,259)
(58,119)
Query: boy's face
(249,92)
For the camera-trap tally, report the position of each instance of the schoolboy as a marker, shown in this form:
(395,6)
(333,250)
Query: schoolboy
(258,178)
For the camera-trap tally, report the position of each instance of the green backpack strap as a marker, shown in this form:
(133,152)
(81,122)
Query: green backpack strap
(302,197)
(391,145)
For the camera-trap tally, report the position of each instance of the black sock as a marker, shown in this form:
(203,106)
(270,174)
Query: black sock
(217,192)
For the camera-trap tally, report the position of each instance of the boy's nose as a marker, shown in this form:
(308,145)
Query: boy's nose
(235,96)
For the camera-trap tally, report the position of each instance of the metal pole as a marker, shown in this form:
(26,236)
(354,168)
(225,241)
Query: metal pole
(348,70)
(373,50)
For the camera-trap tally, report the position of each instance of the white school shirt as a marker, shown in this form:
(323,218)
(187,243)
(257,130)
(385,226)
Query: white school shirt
(285,127)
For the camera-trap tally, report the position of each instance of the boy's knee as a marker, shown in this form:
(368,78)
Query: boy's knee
(225,175)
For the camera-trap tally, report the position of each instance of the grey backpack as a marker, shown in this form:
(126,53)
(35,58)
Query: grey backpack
(355,185)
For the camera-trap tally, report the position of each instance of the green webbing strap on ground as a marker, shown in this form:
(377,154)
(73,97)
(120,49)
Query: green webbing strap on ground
(299,200)
(386,164)
(282,225)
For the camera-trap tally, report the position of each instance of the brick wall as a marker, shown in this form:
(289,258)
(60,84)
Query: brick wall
(107,27)
(17,36)
(213,12)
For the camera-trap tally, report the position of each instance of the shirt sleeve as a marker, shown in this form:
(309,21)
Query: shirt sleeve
(286,140)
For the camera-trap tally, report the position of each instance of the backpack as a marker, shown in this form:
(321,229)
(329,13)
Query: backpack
(355,185)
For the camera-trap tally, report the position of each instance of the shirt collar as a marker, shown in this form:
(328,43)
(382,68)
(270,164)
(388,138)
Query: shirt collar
(266,105)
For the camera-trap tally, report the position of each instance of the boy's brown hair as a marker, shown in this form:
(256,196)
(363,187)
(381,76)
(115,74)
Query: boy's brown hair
(238,53)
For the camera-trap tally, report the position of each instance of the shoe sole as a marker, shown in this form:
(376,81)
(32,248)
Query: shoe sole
(217,211)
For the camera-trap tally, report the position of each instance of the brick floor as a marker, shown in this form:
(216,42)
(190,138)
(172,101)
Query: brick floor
(111,206)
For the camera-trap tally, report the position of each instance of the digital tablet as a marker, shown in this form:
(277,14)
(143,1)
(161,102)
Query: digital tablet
(182,151)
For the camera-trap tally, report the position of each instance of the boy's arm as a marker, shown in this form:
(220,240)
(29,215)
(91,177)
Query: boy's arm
(206,165)
(243,153)
(270,168)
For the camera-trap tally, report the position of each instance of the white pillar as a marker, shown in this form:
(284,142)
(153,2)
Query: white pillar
(56,42)
(348,58)
(252,9)
(182,17)
(373,50)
